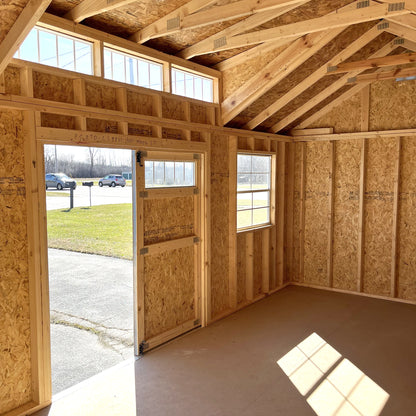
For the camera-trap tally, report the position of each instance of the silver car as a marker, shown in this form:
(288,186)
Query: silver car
(112,180)
(59,181)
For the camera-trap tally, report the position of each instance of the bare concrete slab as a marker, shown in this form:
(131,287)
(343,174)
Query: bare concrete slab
(230,368)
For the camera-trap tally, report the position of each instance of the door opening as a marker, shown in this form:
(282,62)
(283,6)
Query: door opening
(90,255)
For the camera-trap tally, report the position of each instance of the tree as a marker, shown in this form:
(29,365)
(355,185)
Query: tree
(93,153)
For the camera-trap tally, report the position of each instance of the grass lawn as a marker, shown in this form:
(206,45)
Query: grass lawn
(57,193)
(103,229)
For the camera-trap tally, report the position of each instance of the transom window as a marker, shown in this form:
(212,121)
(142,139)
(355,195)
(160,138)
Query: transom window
(253,190)
(193,86)
(54,49)
(167,174)
(126,68)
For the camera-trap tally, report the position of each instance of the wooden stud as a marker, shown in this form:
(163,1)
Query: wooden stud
(2,83)
(365,108)
(206,289)
(280,221)
(289,229)
(98,58)
(157,112)
(80,98)
(361,224)
(265,272)
(302,213)
(167,81)
(198,248)
(26,82)
(395,228)
(331,215)
(187,112)
(249,266)
(232,220)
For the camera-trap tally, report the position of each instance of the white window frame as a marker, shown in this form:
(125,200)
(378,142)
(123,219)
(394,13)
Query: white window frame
(58,34)
(195,76)
(270,190)
(175,184)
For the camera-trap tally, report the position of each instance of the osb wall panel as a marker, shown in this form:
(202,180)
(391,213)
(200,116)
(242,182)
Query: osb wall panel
(257,263)
(168,219)
(169,291)
(378,216)
(343,118)
(12,80)
(316,212)
(57,121)
(140,130)
(393,105)
(52,87)
(241,267)
(101,96)
(102,126)
(198,114)
(296,213)
(172,108)
(139,103)
(173,134)
(219,225)
(407,222)
(15,365)
(346,213)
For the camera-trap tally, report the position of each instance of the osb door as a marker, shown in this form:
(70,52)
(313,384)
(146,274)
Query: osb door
(168,203)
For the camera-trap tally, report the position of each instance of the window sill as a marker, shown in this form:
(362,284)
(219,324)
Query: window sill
(252,229)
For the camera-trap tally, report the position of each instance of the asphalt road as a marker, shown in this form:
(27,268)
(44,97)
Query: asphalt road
(99,196)
(91,303)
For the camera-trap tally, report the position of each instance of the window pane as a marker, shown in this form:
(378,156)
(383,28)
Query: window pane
(131,71)
(180,83)
(243,163)
(261,216)
(155,77)
(47,53)
(159,173)
(244,201)
(29,48)
(179,173)
(244,219)
(261,164)
(118,67)
(243,182)
(169,173)
(189,173)
(261,199)
(198,88)
(148,173)
(83,57)
(107,64)
(143,73)
(260,181)
(189,85)
(66,53)
(207,90)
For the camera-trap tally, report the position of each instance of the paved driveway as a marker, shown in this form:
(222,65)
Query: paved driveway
(99,196)
(91,303)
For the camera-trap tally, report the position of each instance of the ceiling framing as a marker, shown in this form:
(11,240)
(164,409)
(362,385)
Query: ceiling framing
(285,63)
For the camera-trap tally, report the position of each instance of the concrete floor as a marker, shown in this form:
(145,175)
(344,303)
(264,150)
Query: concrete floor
(230,368)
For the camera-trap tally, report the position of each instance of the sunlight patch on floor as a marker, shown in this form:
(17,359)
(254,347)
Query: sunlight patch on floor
(345,391)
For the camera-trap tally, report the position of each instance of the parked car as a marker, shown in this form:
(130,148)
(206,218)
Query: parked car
(59,181)
(112,180)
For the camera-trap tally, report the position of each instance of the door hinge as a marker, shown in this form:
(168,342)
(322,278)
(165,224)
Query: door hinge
(144,250)
(197,322)
(196,240)
(142,347)
(143,194)
(197,156)
(196,191)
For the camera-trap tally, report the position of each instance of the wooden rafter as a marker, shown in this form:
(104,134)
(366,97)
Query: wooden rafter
(89,8)
(237,28)
(217,14)
(392,60)
(281,66)
(408,44)
(341,18)
(327,92)
(401,31)
(171,18)
(379,76)
(314,77)
(20,29)
(408,20)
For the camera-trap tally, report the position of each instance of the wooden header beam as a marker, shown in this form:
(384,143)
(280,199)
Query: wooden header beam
(391,60)
(88,8)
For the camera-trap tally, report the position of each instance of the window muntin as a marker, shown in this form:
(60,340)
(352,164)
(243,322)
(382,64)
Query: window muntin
(169,174)
(253,190)
(55,49)
(129,69)
(193,86)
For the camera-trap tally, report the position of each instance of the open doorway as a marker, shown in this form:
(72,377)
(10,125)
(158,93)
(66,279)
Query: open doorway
(90,255)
